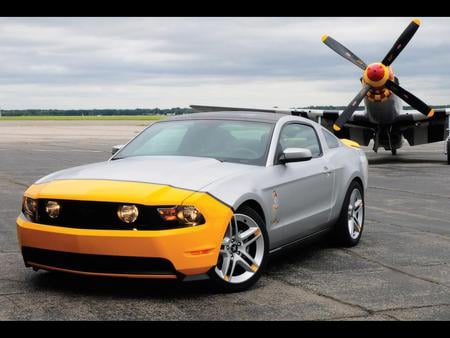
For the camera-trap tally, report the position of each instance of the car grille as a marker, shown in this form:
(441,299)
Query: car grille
(98,263)
(102,216)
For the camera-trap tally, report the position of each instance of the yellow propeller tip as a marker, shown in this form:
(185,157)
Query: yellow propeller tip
(417,22)
(336,127)
(431,113)
(324,37)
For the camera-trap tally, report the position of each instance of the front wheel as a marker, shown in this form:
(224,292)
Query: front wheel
(349,227)
(243,252)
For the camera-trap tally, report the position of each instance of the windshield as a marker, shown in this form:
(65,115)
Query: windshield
(225,140)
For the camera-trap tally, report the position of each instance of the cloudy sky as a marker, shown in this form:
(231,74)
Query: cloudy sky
(70,63)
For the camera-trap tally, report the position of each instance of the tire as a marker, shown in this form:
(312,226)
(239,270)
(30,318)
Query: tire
(394,151)
(237,278)
(343,235)
(448,151)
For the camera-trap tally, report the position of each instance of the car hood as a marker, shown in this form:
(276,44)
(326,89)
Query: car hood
(193,173)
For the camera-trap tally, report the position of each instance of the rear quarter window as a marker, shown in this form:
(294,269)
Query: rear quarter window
(331,140)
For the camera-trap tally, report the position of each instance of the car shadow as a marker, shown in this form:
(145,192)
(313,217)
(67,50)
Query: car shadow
(389,159)
(130,288)
(298,254)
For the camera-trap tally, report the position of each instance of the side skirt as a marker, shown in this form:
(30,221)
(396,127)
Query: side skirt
(308,238)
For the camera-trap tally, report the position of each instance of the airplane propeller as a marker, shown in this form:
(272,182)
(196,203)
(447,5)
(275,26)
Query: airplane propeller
(343,51)
(401,42)
(378,75)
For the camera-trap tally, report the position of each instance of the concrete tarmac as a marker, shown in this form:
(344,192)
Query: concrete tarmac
(399,271)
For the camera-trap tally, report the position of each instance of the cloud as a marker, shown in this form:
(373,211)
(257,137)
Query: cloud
(167,62)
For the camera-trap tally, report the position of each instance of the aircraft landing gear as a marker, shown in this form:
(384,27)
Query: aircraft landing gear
(448,150)
(394,151)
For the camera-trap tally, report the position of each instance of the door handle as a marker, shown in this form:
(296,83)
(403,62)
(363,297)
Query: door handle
(326,170)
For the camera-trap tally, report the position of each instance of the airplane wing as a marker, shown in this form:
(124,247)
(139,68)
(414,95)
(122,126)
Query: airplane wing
(311,114)
(357,128)
(200,109)
(420,129)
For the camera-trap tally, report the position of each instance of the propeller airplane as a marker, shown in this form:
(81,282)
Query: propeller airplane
(383,119)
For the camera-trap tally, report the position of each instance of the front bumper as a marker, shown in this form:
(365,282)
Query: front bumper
(190,250)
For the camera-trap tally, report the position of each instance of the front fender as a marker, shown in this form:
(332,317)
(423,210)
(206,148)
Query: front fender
(252,197)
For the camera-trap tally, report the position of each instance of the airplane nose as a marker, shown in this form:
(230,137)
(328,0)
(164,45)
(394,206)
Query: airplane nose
(375,72)
(376,75)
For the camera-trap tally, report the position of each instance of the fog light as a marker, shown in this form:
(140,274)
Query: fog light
(52,208)
(127,213)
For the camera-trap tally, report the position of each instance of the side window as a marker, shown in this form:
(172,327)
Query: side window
(297,135)
(332,141)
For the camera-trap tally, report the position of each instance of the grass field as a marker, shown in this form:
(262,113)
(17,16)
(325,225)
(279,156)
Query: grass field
(81,118)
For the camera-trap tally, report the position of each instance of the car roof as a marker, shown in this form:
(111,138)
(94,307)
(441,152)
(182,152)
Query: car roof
(232,115)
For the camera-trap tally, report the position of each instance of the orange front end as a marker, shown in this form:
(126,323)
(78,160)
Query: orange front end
(163,253)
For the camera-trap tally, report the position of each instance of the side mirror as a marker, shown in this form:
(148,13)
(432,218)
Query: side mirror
(295,155)
(116,148)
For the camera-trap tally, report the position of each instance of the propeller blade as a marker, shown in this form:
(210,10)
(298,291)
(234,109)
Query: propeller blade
(343,51)
(409,98)
(401,42)
(348,111)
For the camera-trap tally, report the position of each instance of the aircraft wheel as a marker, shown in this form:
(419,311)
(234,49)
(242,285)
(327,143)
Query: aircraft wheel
(448,151)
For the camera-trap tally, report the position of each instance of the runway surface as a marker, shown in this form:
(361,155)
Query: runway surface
(399,271)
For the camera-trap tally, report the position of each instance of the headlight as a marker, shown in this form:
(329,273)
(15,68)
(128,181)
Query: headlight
(52,209)
(29,207)
(186,215)
(128,213)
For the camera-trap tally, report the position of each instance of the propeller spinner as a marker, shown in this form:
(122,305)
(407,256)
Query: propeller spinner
(378,75)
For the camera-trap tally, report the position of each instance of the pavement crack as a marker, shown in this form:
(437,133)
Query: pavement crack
(395,269)
(404,213)
(355,317)
(406,308)
(320,294)
(13,181)
(410,229)
(11,294)
(391,316)
(410,192)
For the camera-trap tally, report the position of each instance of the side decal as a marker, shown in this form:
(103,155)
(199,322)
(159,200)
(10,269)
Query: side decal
(275,207)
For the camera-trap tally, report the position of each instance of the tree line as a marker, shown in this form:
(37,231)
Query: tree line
(140,111)
(95,112)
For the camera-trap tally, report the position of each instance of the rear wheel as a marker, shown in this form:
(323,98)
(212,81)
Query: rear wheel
(349,227)
(243,252)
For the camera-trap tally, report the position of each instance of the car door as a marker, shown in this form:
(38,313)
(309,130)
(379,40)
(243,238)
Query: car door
(303,190)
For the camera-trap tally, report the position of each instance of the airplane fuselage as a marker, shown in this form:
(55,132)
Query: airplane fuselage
(383,112)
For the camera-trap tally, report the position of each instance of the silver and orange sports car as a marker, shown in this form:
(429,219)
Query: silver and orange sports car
(198,195)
